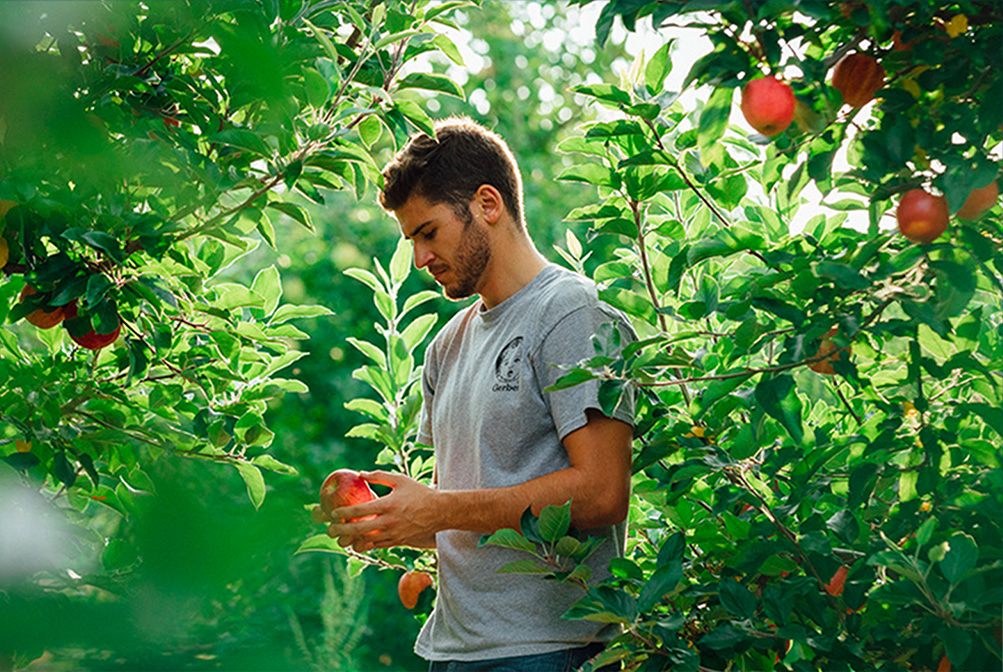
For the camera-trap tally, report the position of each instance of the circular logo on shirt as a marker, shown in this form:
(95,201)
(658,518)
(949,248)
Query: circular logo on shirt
(507,365)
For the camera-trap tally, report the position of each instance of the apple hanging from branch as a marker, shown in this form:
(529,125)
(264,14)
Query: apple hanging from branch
(768,105)
(922,217)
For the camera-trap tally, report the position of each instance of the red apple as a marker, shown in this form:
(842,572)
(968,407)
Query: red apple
(41,318)
(410,586)
(858,77)
(90,340)
(980,201)
(922,217)
(768,105)
(828,347)
(345,487)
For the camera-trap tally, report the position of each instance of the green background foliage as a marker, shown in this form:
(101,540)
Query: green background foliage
(203,174)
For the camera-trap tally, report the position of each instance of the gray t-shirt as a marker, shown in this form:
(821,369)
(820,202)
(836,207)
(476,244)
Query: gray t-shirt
(492,426)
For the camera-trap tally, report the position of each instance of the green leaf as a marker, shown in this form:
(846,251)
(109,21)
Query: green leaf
(722,637)
(529,526)
(663,582)
(960,559)
(270,463)
(605,92)
(843,275)
(318,90)
(590,173)
(737,599)
(416,332)
(778,397)
(447,47)
(555,521)
(297,212)
(97,287)
(242,138)
(289,311)
(630,303)
(508,538)
(254,480)
(413,112)
(432,82)
(366,278)
(268,285)
(658,68)
(712,125)
(106,243)
(232,295)
(400,263)
(417,299)
(320,542)
(575,377)
(369,350)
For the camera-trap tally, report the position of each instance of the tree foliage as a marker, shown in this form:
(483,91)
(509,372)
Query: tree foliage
(817,476)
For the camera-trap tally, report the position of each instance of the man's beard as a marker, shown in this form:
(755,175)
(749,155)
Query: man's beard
(472,257)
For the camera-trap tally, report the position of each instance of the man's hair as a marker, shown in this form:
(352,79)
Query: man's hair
(450,167)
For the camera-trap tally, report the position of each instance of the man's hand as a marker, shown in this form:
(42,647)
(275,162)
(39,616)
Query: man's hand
(408,516)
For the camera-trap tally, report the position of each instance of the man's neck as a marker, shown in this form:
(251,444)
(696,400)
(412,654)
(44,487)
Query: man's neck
(515,261)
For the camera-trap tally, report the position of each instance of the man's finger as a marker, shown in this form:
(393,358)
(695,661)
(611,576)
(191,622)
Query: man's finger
(357,512)
(383,478)
(317,514)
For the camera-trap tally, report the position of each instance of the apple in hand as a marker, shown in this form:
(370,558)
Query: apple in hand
(345,487)
(768,105)
(410,586)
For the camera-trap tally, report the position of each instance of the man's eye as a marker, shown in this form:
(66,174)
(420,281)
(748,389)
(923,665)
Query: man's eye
(429,236)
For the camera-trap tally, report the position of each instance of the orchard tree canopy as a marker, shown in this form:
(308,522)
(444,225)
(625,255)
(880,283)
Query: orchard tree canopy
(805,232)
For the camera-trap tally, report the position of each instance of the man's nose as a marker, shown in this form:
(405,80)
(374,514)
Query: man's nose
(422,256)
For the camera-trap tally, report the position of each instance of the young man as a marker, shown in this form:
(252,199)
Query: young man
(501,443)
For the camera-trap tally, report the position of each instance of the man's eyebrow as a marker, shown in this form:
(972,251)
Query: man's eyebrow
(417,231)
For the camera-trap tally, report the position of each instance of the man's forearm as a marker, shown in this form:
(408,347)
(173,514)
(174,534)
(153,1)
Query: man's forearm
(491,509)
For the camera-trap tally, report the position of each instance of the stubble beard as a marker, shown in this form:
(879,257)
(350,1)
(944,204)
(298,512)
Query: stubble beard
(472,257)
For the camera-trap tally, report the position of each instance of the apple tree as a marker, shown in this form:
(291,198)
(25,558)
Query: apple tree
(817,466)
(144,148)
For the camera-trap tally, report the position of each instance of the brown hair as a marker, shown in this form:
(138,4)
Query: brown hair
(450,167)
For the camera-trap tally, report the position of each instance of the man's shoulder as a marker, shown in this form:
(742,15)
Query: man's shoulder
(566,289)
(566,292)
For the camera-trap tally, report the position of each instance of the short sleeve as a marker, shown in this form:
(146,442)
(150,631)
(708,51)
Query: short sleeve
(566,344)
(428,372)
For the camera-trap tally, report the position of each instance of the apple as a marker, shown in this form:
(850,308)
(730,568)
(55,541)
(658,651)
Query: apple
(90,340)
(41,318)
(828,347)
(922,217)
(858,77)
(980,201)
(345,487)
(768,105)
(410,586)
(4,252)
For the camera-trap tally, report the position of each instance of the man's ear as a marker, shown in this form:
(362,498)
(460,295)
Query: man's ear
(490,202)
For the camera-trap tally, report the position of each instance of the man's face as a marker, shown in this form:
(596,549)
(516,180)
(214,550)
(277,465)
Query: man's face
(455,249)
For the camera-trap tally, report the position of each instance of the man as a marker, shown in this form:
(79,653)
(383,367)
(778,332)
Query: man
(501,443)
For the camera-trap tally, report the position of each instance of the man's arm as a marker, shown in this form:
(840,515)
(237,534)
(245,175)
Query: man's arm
(597,481)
